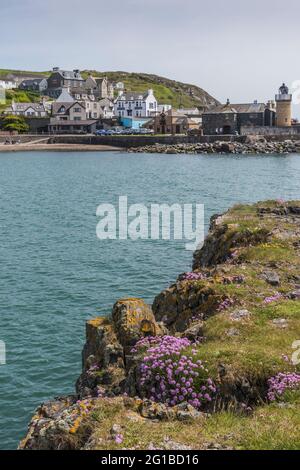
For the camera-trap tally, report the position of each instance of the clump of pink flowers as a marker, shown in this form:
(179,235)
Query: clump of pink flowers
(282,382)
(273,298)
(119,438)
(169,376)
(227,303)
(193,276)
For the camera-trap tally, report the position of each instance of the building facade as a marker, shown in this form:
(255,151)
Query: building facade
(100,87)
(69,111)
(60,79)
(229,118)
(39,85)
(7,84)
(27,110)
(173,122)
(131,104)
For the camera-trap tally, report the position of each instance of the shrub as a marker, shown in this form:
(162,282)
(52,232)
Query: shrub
(282,383)
(169,376)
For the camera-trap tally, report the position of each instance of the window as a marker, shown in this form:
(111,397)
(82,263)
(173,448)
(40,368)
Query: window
(77,118)
(77,110)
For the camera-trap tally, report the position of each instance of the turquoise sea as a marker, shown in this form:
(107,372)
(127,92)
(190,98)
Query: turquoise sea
(55,273)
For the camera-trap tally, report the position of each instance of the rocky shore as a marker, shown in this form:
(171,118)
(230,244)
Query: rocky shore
(208,365)
(252,146)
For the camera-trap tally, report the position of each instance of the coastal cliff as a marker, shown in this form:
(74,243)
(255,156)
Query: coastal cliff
(209,365)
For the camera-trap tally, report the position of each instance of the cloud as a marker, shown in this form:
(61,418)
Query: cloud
(238,49)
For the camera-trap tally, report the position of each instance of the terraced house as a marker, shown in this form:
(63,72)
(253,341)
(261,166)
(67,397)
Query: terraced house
(71,116)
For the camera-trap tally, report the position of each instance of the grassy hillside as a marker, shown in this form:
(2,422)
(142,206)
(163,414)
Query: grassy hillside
(166,91)
(19,96)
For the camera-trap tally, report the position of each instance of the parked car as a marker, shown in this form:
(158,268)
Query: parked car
(146,131)
(100,132)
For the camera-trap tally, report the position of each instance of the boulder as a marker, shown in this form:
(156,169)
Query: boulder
(271,278)
(132,320)
(239,315)
(102,346)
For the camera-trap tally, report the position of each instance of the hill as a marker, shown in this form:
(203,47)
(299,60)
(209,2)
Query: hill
(167,91)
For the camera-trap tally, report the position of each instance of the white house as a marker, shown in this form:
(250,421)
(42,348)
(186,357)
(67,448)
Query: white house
(119,86)
(131,104)
(163,108)
(27,109)
(7,84)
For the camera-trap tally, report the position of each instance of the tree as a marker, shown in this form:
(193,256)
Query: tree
(15,124)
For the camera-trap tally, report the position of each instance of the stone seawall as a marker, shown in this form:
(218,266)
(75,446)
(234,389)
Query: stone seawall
(139,141)
(144,141)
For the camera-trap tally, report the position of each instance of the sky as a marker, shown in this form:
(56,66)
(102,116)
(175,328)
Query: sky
(232,48)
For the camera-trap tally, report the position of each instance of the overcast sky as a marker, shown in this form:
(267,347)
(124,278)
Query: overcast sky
(231,48)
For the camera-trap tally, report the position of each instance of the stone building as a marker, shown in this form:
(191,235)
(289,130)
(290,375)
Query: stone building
(229,118)
(60,79)
(172,122)
(100,87)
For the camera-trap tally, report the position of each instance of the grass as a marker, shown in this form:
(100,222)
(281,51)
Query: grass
(166,91)
(19,96)
(255,348)
(257,431)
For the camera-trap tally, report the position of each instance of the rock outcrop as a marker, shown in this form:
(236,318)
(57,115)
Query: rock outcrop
(251,146)
(107,351)
(235,317)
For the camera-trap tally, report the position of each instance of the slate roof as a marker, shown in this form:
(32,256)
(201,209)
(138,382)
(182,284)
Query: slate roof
(35,81)
(238,108)
(22,107)
(65,97)
(132,96)
(69,74)
(67,105)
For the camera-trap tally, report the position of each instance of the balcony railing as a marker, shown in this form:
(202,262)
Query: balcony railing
(286,97)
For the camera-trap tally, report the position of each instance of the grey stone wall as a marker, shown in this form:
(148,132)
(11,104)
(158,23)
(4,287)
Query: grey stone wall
(211,122)
(270,131)
(140,141)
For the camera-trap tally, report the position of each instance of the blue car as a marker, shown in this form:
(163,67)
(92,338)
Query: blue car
(101,132)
